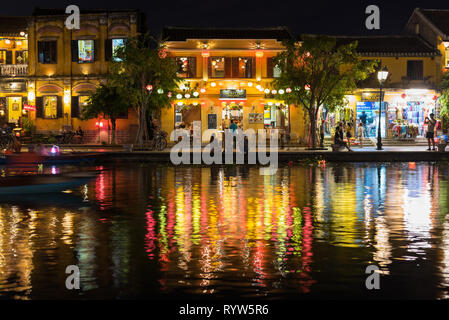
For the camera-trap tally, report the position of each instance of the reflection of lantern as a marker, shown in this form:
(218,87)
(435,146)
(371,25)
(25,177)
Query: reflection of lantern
(403,96)
(149,87)
(288,90)
(434,98)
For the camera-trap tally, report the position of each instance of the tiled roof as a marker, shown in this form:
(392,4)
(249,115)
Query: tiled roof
(390,45)
(12,26)
(439,18)
(183,33)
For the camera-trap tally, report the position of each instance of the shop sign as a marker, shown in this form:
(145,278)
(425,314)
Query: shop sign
(372,96)
(232,94)
(29,107)
(255,118)
(369,106)
(13,87)
(212,121)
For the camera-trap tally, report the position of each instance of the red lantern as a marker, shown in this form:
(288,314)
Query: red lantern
(403,96)
(163,53)
(434,98)
(149,87)
(288,90)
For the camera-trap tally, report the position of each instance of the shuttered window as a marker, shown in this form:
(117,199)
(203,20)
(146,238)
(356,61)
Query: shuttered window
(414,70)
(47,51)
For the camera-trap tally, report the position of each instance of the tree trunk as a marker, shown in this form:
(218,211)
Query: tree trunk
(312,118)
(113,124)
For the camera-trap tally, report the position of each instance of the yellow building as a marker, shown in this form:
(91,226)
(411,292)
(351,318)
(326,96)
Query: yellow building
(228,75)
(13,67)
(65,66)
(409,94)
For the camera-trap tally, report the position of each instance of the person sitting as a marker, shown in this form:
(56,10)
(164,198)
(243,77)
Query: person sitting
(79,134)
(338,140)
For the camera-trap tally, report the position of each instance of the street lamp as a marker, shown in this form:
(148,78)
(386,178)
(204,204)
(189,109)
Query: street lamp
(381,76)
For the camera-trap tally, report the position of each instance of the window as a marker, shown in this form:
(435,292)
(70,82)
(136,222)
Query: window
(217,67)
(242,67)
(186,67)
(47,51)
(446,55)
(273,70)
(50,104)
(117,43)
(83,102)
(83,51)
(414,70)
(21,57)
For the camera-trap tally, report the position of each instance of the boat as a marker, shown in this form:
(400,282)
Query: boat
(32,158)
(43,183)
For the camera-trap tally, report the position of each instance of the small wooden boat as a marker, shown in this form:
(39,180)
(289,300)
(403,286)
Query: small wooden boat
(32,158)
(45,183)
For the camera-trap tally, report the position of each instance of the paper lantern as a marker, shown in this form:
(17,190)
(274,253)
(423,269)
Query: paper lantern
(403,96)
(434,98)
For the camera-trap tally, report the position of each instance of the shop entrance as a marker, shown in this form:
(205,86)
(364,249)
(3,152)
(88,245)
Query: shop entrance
(232,111)
(368,112)
(14,109)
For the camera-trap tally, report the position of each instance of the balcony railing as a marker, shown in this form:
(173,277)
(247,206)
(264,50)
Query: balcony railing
(11,70)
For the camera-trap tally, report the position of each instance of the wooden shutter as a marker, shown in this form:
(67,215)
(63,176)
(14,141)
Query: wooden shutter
(53,52)
(39,107)
(253,67)
(108,49)
(74,50)
(270,67)
(209,67)
(40,54)
(8,57)
(235,67)
(59,109)
(228,67)
(95,50)
(192,67)
(75,107)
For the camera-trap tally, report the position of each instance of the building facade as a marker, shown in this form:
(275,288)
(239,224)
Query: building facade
(63,67)
(47,72)
(227,76)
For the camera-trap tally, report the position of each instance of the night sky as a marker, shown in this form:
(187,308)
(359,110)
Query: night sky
(330,17)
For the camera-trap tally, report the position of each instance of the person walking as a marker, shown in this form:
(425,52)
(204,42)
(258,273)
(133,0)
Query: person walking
(360,134)
(430,134)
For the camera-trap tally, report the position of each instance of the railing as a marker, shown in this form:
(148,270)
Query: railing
(13,69)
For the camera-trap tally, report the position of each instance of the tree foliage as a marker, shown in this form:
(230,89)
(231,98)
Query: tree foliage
(107,102)
(139,63)
(320,73)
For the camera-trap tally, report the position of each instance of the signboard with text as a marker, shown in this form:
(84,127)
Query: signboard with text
(232,94)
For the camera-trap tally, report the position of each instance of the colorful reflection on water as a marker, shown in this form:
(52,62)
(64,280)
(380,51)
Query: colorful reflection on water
(163,232)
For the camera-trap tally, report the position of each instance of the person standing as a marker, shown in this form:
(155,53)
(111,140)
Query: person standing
(233,126)
(363,120)
(360,134)
(430,135)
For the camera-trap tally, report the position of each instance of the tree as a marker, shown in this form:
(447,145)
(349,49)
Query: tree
(107,102)
(320,73)
(145,75)
(444,100)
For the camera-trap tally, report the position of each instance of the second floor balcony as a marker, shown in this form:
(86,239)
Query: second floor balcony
(12,70)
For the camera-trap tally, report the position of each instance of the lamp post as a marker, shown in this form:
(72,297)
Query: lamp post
(381,76)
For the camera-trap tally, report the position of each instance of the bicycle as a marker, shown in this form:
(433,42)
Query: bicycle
(159,140)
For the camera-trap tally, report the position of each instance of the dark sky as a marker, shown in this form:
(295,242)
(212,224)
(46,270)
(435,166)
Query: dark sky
(313,16)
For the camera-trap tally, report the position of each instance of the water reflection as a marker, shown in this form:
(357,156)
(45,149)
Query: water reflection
(147,231)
